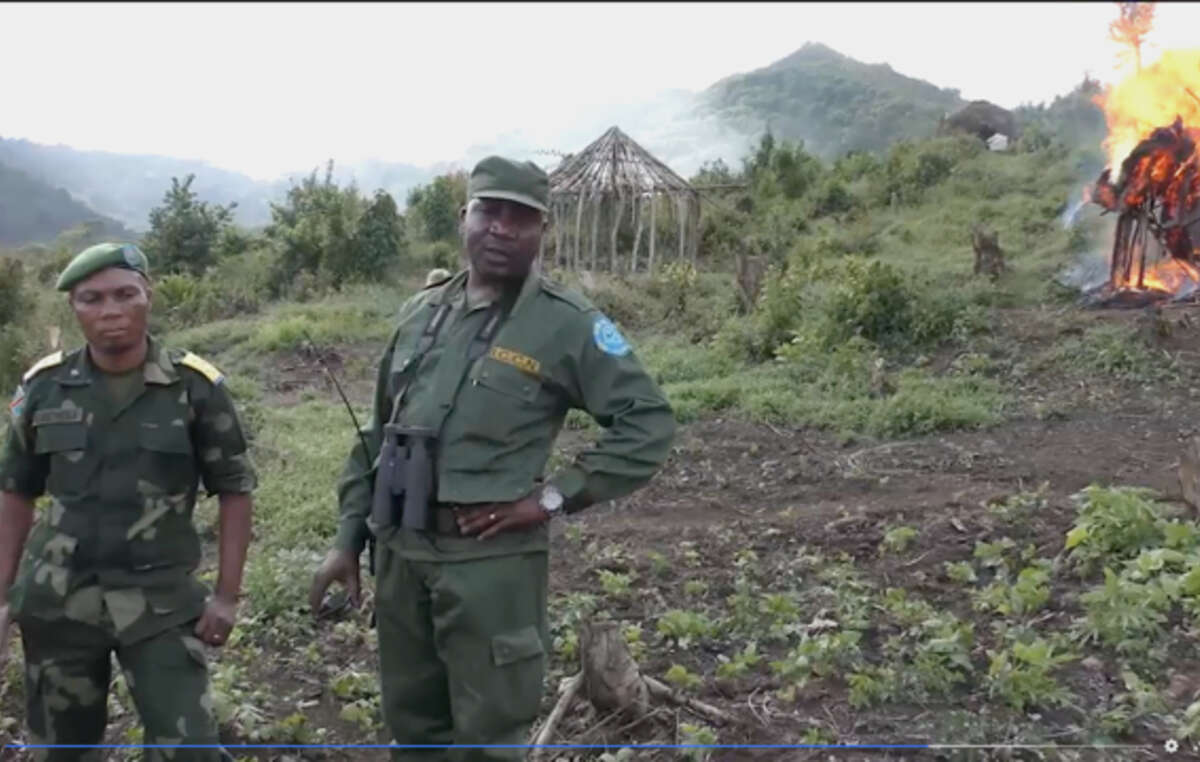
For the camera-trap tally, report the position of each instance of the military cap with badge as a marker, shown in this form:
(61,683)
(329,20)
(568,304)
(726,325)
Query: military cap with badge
(101,257)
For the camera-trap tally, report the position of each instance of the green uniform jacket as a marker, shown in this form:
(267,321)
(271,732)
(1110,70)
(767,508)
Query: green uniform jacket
(116,546)
(498,417)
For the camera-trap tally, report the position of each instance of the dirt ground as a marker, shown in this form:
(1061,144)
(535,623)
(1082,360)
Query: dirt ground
(732,486)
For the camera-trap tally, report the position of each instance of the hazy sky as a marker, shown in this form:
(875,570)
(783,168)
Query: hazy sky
(275,87)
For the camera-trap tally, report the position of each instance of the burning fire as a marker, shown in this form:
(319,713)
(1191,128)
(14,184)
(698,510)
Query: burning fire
(1150,98)
(1153,118)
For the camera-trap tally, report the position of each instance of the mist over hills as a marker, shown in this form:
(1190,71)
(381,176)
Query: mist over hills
(832,102)
(31,210)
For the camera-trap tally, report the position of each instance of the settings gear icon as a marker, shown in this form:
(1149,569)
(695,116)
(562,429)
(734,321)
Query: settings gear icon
(1171,746)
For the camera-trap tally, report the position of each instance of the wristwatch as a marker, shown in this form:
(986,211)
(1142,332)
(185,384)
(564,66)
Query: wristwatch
(551,500)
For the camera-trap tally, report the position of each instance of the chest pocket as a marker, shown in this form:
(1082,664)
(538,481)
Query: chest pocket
(167,456)
(66,444)
(501,401)
(60,438)
(506,380)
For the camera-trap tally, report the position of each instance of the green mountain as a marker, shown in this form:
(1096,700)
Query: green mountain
(832,102)
(127,186)
(32,211)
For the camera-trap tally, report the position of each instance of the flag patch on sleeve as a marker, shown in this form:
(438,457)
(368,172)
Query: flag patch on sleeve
(17,406)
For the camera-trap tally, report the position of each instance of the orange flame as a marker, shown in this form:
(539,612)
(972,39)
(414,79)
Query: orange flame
(1150,98)
(1153,118)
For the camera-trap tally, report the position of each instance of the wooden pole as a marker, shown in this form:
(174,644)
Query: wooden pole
(681,208)
(653,229)
(637,235)
(578,232)
(597,207)
(559,254)
(616,228)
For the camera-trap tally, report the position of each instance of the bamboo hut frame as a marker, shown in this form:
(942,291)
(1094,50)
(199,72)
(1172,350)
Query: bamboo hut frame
(617,183)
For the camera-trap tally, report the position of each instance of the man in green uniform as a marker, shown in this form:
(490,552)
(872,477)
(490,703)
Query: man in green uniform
(117,435)
(479,374)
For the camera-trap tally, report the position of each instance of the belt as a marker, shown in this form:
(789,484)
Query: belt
(444,520)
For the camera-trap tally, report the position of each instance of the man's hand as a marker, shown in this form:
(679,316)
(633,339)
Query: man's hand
(340,566)
(220,613)
(491,519)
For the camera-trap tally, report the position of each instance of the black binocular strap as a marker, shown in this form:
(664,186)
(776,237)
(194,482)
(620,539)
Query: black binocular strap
(487,332)
(479,345)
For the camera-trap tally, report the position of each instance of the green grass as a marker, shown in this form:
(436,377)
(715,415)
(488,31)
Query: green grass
(701,382)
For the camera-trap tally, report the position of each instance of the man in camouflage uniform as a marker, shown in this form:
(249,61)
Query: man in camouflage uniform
(491,360)
(117,435)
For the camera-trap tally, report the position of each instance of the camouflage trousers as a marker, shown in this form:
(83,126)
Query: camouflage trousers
(68,670)
(461,652)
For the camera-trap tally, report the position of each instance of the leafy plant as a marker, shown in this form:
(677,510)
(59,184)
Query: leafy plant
(615,584)
(1113,522)
(897,539)
(1022,676)
(679,676)
(685,627)
(741,663)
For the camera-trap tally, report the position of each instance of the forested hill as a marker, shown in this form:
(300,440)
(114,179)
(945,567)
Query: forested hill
(126,187)
(832,102)
(32,211)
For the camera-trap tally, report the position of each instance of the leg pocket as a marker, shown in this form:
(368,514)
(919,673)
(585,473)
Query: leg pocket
(168,678)
(519,660)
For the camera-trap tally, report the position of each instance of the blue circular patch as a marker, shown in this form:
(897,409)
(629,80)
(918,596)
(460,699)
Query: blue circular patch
(608,338)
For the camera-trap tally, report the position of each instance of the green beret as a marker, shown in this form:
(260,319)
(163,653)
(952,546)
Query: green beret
(99,257)
(523,182)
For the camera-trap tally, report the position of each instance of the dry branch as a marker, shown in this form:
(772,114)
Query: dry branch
(707,711)
(570,687)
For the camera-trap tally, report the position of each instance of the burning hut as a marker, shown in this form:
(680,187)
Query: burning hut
(616,184)
(1154,132)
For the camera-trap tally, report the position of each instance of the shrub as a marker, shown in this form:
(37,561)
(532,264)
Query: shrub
(17,345)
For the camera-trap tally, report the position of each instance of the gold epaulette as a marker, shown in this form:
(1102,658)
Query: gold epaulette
(49,361)
(203,367)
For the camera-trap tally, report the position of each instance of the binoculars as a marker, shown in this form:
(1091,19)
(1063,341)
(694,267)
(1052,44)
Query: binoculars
(405,480)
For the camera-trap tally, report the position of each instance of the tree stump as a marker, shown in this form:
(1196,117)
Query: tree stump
(611,678)
(612,682)
(989,258)
(750,271)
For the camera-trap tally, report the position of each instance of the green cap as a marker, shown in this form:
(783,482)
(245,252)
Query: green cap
(498,177)
(99,257)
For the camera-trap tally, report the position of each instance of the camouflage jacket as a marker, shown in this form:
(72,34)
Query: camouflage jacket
(115,545)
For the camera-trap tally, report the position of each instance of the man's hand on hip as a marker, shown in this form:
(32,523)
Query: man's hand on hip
(493,518)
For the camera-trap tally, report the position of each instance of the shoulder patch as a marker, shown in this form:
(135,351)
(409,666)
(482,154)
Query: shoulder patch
(608,338)
(203,367)
(49,361)
(17,406)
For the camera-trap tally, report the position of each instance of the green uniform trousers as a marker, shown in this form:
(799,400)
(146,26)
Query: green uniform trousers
(68,669)
(461,650)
